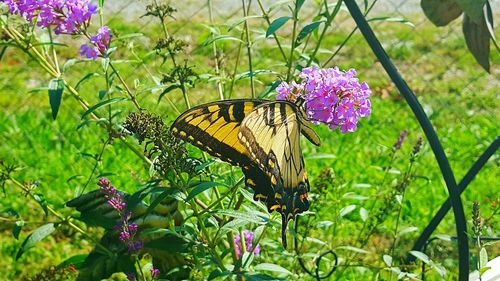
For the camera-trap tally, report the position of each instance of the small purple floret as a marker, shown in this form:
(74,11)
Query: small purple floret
(248,243)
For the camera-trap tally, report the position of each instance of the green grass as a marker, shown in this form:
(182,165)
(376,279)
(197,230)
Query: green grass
(461,100)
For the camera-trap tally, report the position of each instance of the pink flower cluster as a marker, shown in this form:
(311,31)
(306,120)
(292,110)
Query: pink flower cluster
(127,230)
(64,16)
(331,96)
(248,244)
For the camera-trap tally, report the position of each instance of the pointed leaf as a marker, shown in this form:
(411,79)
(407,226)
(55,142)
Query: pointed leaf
(478,41)
(306,31)
(16,228)
(421,256)
(346,210)
(363,213)
(483,257)
(200,188)
(37,235)
(101,104)
(388,260)
(272,267)
(56,87)
(441,12)
(276,24)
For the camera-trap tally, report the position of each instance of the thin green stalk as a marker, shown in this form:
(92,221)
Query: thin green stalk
(292,47)
(266,17)
(328,22)
(54,54)
(216,54)
(127,89)
(249,49)
(348,37)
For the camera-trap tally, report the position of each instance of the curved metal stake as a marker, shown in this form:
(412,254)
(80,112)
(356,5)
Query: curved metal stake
(425,124)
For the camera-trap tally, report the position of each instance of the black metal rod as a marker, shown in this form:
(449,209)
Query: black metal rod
(430,133)
(445,207)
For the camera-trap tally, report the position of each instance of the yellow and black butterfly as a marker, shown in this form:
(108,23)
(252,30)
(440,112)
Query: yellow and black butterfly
(262,137)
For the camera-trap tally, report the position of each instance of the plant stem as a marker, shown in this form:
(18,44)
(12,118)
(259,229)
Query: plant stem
(216,54)
(292,47)
(266,17)
(249,50)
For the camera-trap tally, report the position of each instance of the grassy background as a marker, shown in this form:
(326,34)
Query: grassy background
(459,97)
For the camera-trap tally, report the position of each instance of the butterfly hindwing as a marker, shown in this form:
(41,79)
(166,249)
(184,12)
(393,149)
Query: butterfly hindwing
(271,133)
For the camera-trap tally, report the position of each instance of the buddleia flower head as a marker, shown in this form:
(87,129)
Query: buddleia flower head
(331,96)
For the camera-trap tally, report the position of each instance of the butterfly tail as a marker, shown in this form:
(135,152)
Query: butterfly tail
(284,223)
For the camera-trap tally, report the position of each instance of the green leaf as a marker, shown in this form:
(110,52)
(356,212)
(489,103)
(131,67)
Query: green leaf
(40,199)
(260,277)
(354,249)
(483,257)
(363,213)
(85,78)
(101,104)
(36,236)
(102,94)
(16,228)
(76,261)
(2,52)
(221,38)
(56,87)
(242,20)
(253,73)
(441,12)
(251,217)
(473,9)
(421,256)
(276,24)
(129,35)
(477,39)
(306,30)
(200,188)
(408,230)
(346,210)
(388,260)
(272,267)
(482,270)
(392,19)
(298,5)
(168,90)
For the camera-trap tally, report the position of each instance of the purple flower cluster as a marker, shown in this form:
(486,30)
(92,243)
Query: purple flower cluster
(155,273)
(64,16)
(99,44)
(127,230)
(331,96)
(248,244)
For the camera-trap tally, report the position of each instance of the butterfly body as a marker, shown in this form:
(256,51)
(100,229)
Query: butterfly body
(262,137)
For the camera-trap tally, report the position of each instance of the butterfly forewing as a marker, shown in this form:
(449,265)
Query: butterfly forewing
(214,128)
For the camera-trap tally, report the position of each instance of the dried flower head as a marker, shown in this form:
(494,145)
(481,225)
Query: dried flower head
(477,224)
(416,149)
(331,96)
(401,139)
(168,152)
